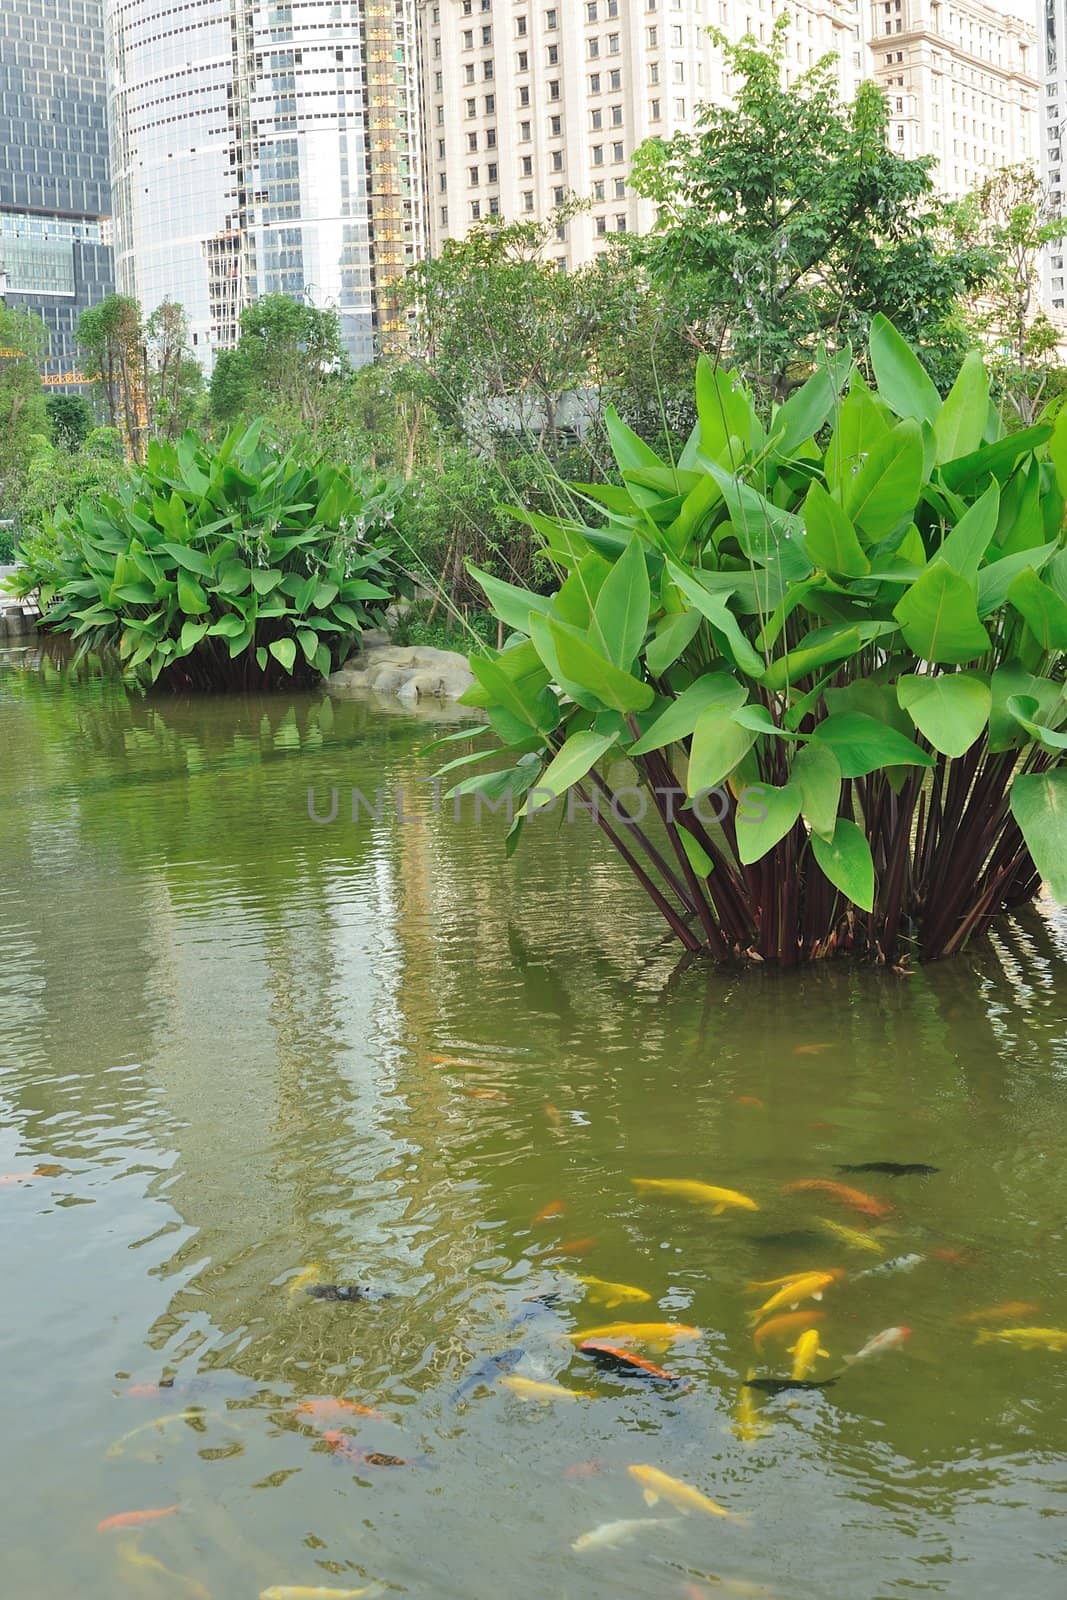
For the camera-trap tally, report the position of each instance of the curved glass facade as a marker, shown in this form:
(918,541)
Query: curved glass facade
(263,147)
(55,196)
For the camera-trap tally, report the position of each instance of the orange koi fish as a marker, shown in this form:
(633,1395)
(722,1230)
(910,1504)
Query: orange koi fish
(485,1094)
(752,1100)
(17,1177)
(811,1049)
(554,1208)
(809,1285)
(868,1204)
(1010,1311)
(789,1322)
(575,1247)
(583,1469)
(552,1114)
(329,1407)
(135,1519)
(619,1360)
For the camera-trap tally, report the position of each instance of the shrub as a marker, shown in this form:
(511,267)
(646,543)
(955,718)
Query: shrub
(857,646)
(240,565)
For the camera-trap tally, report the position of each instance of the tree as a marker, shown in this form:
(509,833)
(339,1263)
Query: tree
(113,337)
(71,417)
(175,378)
(785,221)
(1010,215)
(23,342)
(289,363)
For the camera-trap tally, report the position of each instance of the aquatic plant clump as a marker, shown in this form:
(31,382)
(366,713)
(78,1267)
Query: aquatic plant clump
(830,649)
(240,565)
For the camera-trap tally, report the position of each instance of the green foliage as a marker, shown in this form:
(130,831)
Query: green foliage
(221,567)
(786,222)
(861,641)
(23,341)
(289,363)
(71,419)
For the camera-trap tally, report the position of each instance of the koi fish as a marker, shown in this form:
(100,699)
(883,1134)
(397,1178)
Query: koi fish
(659,1485)
(1026,1338)
(554,1208)
(851,1236)
(451,1061)
(805,1353)
(329,1407)
(751,1100)
(1008,1312)
(307,1275)
(17,1177)
(582,1469)
(808,1286)
(888,1339)
(345,1292)
(893,1169)
(135,1557)
(530,1389)
(780,1385)
(487,1372)
(748,1425)
(486,1094)
(554,1118)
(135,1519)
(613,1533)
(285,1591)
(782,1326)
(157,1423)
(613,1294)
(698,1194)
(144,1391)
(906,1263)
(625,1362)
(574,1247)
(345,1449)
(658,1335)
(810,1049)
(868,1204)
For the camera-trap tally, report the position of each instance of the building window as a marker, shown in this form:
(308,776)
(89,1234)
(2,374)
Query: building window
(601,227)
(594,83)
(596,118)
(472,141)
(557,161)
(522,61)
(476,210)
(527,200)
(526,166)
(596,155)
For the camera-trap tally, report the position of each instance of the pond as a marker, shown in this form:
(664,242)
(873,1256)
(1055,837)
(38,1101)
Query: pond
(246,1056)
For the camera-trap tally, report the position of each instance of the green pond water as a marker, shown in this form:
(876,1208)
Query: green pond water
(244,1046)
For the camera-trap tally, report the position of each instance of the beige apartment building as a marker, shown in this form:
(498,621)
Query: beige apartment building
(528,102)
(961,81)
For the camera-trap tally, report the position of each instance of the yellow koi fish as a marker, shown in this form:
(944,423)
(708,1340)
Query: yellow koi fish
(135,1557)
(308,1275)
(850,1236)
(158,1424)
(1026,1338)
(808,1286)
(659,1485)
(748,1425)
(698,1194)
(613,1294)
(657,1335)
(805,1353)
(530,1389)
(286,1591)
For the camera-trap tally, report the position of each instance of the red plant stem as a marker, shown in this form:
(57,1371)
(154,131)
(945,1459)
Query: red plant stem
(655,894)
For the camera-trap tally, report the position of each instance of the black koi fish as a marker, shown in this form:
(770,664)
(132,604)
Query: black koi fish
(779,1385)
(893,1169)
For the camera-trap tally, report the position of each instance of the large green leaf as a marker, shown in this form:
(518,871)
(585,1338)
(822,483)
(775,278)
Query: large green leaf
(191,635)
(862,744)
(620,616)
(610,684)
(817,774)
(764,815)
(996,579)
(884,491)
(572,761)
(629,451)
(192,560)
(903,381)
(950,709)
(522,697)
(284,651)
(969,540)
(818,648)
(1039,806)
(680,717)
(510,603)
(939,617)
(809,407)
(718,613)
(1045,612)
(1013,680)
(673,634)
(830,538)
(847,861)
(719,745)
(1026,711)
(191,597)
(960,425)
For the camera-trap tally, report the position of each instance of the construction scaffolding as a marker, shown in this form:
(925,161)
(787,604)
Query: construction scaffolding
(389,176)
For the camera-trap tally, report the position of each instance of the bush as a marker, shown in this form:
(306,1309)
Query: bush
(851,653)
(213,568)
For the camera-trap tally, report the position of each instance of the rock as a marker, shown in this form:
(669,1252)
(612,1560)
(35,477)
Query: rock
(411,673)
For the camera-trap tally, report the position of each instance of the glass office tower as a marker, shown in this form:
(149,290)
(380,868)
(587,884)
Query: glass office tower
(263,147)
(55,196)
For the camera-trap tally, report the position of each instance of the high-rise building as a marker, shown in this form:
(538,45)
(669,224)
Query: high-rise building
(1053,67)
(265,147)
(961,81)
(55,197)
(527,103)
